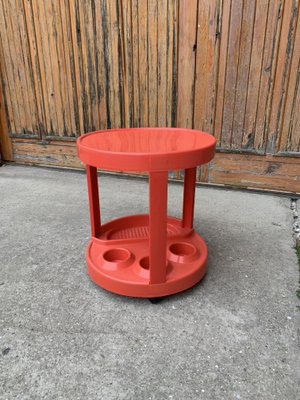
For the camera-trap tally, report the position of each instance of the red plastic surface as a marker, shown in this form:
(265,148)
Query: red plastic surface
(119,259)
(146,255)
(146,149)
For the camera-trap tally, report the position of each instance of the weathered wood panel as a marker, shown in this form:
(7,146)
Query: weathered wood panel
(87,64)
(263,172)
(17,76)
(53,153)
(229,67)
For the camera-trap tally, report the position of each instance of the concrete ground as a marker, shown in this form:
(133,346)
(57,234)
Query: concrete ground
(233,336)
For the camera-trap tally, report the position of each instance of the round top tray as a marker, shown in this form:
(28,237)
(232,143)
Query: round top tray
(146,149)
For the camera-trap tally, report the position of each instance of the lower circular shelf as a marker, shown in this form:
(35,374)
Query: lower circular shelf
(120,263)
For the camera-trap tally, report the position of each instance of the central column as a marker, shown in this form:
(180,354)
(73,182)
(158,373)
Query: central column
(158,199)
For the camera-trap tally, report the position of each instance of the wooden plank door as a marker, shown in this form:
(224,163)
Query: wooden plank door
(245,89)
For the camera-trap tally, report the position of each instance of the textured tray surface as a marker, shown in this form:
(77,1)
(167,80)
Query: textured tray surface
(119,259)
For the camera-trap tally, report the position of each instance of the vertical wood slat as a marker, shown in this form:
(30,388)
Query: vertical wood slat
(246,45)
(114,60)
(143,63)
(67,54)
(282,73)
(152,62)
(75,39)
(55,66)
(35,63)
(206,64)
(20,28)
(186,62)
(163,49)
(294,137)
(255,64)
(172,56)
(268,69)
(62,95)
(125,12)
(206,71)
(224,32)
(231,72)
(100,67)
(292,105)
(43,48)
(89,78)
(19,57)
(135,62)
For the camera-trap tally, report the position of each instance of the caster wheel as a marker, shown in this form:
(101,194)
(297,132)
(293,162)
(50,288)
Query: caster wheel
(155,300)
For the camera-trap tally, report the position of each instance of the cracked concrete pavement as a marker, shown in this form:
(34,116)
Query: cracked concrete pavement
(233,336)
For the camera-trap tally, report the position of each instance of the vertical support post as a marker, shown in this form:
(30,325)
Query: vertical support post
(189,197)
(92,181)
(158,196)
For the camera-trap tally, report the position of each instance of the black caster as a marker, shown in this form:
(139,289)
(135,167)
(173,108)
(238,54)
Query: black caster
(155,300)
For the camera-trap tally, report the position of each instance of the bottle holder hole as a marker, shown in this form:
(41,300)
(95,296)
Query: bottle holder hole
(182,249)
(116,255)
(145,263)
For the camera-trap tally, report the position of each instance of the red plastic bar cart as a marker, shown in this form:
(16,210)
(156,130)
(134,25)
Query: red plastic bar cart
(151,255)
